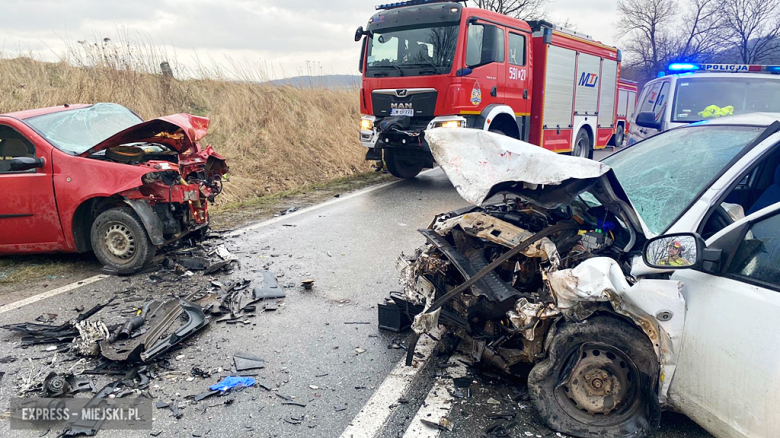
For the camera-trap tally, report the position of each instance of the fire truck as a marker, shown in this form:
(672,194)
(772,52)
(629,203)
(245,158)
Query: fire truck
(435,63)
(627,91)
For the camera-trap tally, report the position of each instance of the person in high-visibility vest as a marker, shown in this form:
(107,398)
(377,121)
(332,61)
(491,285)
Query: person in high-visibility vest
(673,250)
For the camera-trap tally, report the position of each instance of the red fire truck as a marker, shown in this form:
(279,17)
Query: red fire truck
(435,63)
(626,102)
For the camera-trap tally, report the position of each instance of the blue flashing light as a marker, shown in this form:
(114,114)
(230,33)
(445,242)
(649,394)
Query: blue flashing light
(683,67)
(772,68)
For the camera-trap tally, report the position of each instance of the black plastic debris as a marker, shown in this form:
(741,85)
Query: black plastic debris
(7,359)
(161,404)
(203,395)
(160,335)
(193,263)
(35,334)
(444,423)
(246,362)
(83,426)
(294,403)
(197,372)
(55,385)
(392,318)
(270,288)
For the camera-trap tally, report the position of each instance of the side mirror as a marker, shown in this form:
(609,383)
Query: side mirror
(647,120)
(26,163)
(674,251)
(359,33)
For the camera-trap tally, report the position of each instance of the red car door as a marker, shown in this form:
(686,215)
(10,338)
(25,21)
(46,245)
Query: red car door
(28,212)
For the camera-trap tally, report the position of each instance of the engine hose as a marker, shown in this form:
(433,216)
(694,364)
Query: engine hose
(549,231)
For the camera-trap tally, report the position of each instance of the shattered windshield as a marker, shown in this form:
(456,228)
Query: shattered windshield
(663,174)
(708,98)
(75,131)
(412,52)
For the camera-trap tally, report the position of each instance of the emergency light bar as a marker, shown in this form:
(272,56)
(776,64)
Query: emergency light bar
(413,3)
(681,67)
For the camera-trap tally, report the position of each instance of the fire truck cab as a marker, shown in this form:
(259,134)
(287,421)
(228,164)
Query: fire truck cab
(433,63)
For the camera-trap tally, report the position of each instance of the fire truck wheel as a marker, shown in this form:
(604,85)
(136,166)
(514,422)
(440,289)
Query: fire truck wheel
(119,240)
(403,164)
(620,135)
(582,146)
(599,379)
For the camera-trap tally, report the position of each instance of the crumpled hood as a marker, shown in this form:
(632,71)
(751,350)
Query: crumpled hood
(481,164)
(180,132)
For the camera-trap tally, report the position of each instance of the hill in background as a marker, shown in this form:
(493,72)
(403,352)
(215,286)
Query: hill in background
(323,81)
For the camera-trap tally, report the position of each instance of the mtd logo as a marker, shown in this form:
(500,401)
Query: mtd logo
(588,80)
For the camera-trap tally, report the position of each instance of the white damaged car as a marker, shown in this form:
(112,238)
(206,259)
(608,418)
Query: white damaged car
(647,281)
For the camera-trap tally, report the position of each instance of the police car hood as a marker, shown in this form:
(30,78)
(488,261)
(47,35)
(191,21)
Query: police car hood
(482,164)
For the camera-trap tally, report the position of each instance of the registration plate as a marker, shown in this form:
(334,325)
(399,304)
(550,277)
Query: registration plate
(401,112)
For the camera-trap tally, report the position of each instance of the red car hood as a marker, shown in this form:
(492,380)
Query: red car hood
(180,132)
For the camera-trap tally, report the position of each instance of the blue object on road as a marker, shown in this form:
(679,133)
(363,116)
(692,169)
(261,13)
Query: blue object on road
(231,382)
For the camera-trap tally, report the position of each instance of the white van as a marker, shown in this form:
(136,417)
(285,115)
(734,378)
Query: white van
(697,92)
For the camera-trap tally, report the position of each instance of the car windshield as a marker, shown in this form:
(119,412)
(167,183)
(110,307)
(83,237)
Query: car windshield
(76,131)
(412,52)
(700,98)
(663,174)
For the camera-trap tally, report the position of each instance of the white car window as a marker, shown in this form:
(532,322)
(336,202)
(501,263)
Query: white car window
(758,255)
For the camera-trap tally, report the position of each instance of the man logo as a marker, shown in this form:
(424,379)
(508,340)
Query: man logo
(401,93)
(588,80)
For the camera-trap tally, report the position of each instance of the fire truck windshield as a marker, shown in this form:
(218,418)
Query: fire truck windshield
(701,98)
(411,51)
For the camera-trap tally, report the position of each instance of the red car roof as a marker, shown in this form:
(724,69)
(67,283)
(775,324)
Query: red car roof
(41,111)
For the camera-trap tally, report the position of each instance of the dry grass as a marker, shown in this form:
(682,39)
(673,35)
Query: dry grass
(275,138)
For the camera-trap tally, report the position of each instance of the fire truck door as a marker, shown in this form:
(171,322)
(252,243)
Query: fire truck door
(484,53)
(518,94)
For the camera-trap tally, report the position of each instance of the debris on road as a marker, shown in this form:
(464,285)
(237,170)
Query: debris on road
(245,362)
(233,382)
(307,284)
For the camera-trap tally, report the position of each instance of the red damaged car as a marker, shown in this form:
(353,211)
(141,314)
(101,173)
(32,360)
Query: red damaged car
(76,178)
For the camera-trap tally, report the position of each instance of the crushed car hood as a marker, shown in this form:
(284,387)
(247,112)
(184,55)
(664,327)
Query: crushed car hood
(481,164)
(180,132)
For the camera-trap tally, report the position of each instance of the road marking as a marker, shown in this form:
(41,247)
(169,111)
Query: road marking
(439,402)
(374,415)
(317,206)
(51,293)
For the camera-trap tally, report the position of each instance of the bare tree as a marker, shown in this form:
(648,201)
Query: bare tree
(523,9)
(751,27)
(657,32)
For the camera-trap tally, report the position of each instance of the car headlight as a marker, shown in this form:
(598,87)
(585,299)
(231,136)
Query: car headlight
(449,124)
(366,125)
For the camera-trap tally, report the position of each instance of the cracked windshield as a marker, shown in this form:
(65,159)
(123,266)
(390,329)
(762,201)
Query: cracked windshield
(663,174)
(412,52)
(708,98)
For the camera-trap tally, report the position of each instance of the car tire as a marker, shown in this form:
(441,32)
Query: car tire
(404,164)
(620,136)
(119,240)
(599,380)
(582,147)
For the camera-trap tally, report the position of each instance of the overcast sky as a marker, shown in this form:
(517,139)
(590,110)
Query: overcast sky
(282,34)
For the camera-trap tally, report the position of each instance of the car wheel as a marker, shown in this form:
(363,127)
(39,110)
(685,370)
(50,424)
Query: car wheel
(620,135)
(582,147)
(403,164)
(599,379)
(119,240)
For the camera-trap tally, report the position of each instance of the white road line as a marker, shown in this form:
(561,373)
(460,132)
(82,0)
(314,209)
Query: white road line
(51,293)
(316,207)
(374,415)
(439,402)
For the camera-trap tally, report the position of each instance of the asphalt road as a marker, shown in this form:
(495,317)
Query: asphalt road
(349,247)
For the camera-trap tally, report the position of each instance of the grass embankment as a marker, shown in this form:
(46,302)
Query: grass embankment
(276,139)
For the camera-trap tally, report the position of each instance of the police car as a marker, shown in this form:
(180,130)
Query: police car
(696,92)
